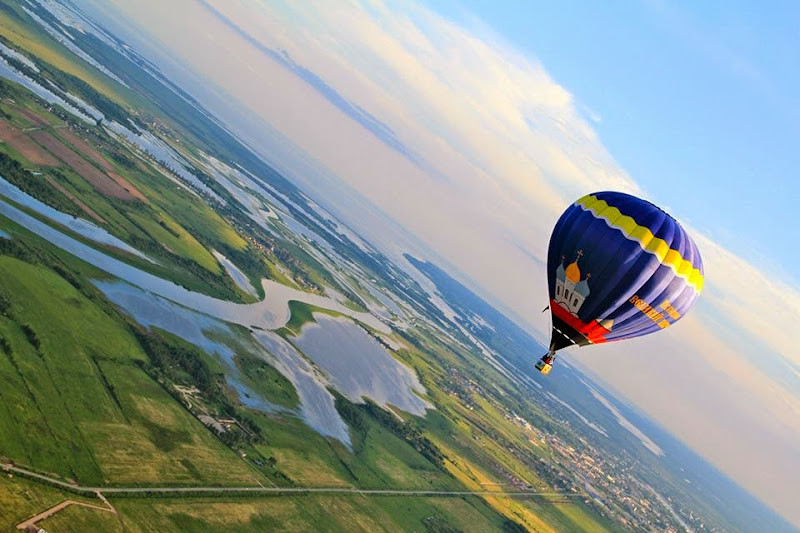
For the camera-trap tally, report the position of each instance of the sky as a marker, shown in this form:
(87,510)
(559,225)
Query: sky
(700,101)
(461,131)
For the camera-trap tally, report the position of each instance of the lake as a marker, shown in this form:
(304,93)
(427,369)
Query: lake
(359,366)
(82,227)
(336,352)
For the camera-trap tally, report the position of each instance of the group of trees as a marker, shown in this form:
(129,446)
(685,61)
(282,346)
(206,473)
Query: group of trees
(180,363)
(355,415)
(175,361)
(5,310)
(406,430)
(13,172)
(5,305)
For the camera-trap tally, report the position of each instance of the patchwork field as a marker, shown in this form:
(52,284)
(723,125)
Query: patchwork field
(25,146)
(85,208)
(34,118)
(97,178)
(85,148)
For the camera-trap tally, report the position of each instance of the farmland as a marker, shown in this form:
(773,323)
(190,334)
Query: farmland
(26,147)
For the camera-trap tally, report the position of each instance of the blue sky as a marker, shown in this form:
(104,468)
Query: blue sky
(697,101)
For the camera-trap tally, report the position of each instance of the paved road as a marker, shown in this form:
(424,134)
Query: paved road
(277,490)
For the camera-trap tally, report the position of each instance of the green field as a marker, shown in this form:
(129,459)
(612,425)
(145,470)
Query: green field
(76,402)
(302,513)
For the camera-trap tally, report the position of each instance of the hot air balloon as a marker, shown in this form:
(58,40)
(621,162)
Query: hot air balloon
(618,267)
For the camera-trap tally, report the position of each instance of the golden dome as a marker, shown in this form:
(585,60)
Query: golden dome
(573,272)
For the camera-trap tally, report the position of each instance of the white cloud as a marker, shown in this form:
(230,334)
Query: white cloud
(756,302)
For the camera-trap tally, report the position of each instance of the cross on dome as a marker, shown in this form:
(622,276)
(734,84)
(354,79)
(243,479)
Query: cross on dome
(573,273)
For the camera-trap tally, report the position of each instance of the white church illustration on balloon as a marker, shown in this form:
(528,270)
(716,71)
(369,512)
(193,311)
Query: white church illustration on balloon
(571,290)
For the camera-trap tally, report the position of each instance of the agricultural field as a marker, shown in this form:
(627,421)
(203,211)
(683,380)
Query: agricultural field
(20,499)
(304,513)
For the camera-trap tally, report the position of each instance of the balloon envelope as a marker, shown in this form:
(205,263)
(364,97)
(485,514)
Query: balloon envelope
(618,267)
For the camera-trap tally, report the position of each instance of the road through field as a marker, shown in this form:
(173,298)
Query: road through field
(278,490)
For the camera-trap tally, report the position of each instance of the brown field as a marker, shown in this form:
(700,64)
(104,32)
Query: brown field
(98,179)
(125,184)
(25,146)
(84,147)
(33,117)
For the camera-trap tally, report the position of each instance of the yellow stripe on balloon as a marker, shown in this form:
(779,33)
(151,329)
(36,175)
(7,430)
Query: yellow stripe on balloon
(650,243)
